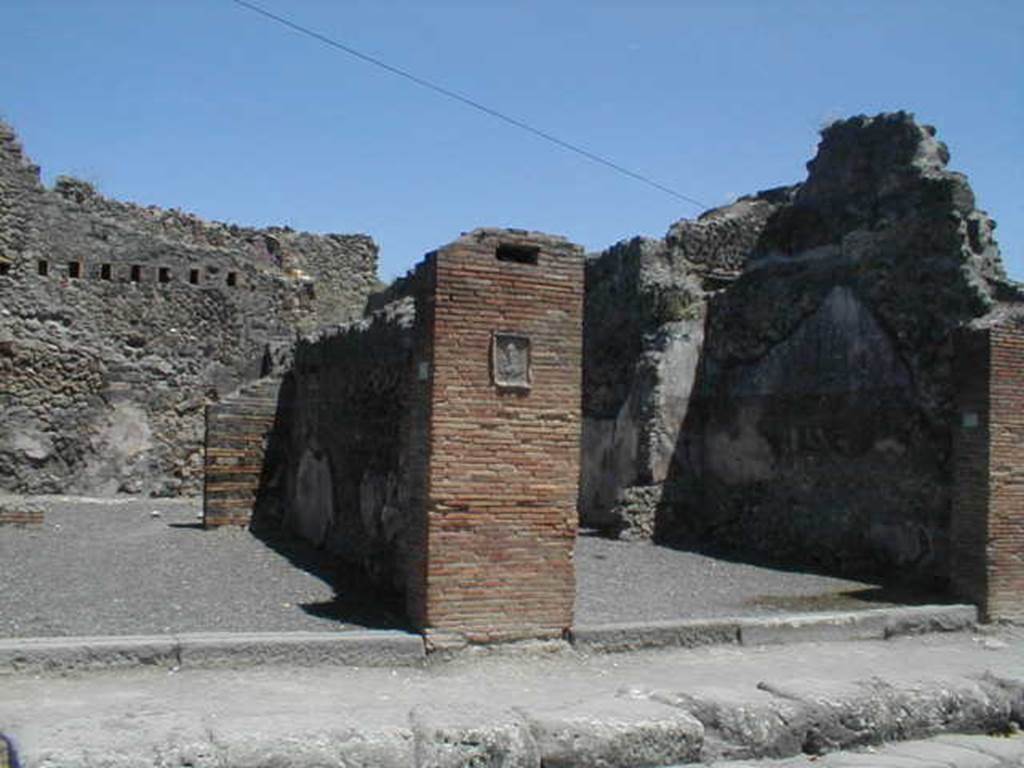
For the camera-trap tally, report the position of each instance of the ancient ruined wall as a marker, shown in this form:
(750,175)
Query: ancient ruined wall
(504,435)
(987,527)
(646,304)
(436,442)
(822,430)
(118,323)
(816,387)
(345,478)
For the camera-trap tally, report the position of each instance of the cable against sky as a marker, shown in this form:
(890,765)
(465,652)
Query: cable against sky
(424,83)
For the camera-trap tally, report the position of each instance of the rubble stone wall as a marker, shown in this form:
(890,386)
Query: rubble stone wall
(645,314)
(119,323)
(340,469)
(816,379)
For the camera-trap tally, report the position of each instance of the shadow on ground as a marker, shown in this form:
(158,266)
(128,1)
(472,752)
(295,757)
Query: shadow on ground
(880,593)
(356,599)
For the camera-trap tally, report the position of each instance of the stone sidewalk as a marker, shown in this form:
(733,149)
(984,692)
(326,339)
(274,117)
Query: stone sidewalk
(948,751)
(531,705)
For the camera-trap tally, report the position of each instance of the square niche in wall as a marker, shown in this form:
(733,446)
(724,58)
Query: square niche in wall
(510,360)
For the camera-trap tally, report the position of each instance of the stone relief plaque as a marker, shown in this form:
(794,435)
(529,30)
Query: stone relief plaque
(510,360)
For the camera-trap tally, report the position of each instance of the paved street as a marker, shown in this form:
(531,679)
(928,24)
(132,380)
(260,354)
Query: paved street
(116,568)
(518,704)
(948,751)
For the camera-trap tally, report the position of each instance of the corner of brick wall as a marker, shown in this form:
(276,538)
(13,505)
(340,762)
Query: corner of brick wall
(503,462)
(987,526)
(1006,475)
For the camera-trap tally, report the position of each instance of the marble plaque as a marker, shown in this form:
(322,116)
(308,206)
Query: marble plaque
(510,360)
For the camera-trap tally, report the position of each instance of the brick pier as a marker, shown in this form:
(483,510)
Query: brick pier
(987,529)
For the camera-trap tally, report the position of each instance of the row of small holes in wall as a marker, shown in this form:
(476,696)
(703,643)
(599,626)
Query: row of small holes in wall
(164,274)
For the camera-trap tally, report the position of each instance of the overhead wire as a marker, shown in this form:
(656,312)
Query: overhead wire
(467,101)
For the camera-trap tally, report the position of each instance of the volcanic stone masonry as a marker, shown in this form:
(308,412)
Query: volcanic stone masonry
(436,442)
(776,378)
(119,323)
(824,375)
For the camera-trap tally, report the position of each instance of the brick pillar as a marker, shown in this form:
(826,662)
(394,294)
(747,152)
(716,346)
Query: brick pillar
(987,527)
(504,436)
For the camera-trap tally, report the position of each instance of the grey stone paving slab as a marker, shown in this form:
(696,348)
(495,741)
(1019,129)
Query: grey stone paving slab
(368,648)
(619,706)
(874,623)
(945,751)
(945,754)
(1004,748)
(680,633)
(56,654)
(373,648)
(613,731)
(872,759)
(853,625)
(473,734)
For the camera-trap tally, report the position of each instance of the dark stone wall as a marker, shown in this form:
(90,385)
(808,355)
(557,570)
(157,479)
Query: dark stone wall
(141,318)
(814,400)
(644,327)
(342,470)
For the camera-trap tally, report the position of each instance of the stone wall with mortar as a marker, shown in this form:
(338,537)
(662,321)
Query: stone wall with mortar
(341,468)
(644,319)
(119,323)
(816,382)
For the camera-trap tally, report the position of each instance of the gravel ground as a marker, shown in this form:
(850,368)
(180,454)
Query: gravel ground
(112,567)
(620,581)
(145,566)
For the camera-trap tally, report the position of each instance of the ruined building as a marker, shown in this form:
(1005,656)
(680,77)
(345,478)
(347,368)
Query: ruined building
(779,378)
(825,375)
(436,442)
(118,324)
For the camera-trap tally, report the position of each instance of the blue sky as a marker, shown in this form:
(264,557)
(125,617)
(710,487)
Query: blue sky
(204,106)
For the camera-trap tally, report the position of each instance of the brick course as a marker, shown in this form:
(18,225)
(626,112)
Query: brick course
(237,431)
(987,529)
(502,475)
